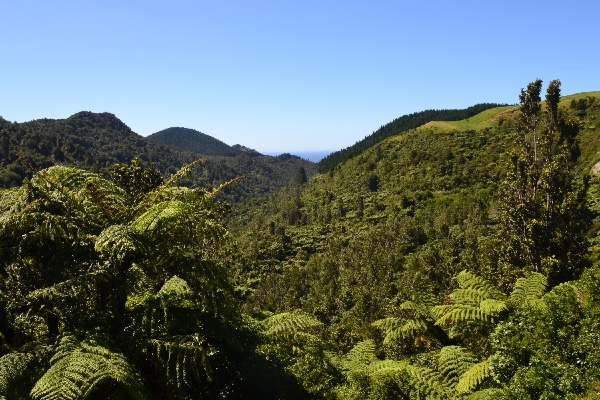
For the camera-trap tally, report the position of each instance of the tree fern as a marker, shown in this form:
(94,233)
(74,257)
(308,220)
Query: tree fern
(79,368)
(290,325)
(122,241)
(528,291)
(80,255)
(424,382)
(415,323)
(20,369)
(183,359)
(474,300)
(473,377)
(453,362)
(357,359)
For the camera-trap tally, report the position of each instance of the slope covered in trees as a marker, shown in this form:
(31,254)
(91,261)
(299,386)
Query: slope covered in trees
(444,263)
(97,141)
(401,124)
(387,233)
(191,140)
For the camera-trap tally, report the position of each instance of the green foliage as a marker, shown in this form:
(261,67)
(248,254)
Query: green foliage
(144,276)
(290,325)
(83,370)
(98,141)
(551,351)
(475,300)
(543,209)
(19,370)
(136,273)
(528,291)
(191,140)
(397,126)
(473,377)
(135,179)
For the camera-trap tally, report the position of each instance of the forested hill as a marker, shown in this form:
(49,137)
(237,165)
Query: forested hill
(191,140)
(96,141)
(378,251)
(398,125)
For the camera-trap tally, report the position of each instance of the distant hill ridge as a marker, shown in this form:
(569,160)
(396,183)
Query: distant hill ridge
(96,141)
(186,139)
(404,123)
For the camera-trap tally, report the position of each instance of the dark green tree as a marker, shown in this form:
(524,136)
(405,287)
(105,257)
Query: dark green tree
(543,210)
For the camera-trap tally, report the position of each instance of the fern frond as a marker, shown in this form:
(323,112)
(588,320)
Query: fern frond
(288,325)
(185,222)
(359,357)
(222,186)
(473,377)
(415,308)
(176,292)
(163,192)
(80,368)
(183,359)
(456,313)
(388,324)
(162,216)
(20,369)
(528,291)
(399,328)
(121,241)
(139,286)
(492,307)
(470,296)
(475,300)
(387,366)
(67,289)
(426,382)
(454,361)
(468,280)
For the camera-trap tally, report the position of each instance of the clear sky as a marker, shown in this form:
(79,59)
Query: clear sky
(285,75)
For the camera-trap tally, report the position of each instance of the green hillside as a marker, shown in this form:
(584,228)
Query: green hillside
(96,142)
(385,234)
(456,260)
(398,125)
(191,140)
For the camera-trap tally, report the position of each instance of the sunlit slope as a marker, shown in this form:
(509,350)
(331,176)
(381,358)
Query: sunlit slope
(495,116)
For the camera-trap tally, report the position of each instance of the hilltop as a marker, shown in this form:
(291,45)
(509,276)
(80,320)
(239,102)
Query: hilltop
(96,141)
(397,126)
(191,140)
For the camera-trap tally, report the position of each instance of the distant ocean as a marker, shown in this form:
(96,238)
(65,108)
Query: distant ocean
(314,156)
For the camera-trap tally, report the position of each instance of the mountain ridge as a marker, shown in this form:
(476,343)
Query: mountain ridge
(187,139)
(97,141)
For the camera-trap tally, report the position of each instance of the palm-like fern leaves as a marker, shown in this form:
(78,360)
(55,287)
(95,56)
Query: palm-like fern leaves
(528,291)
(453,362)
(79,255)
(357,359)
(20,369)
(474,376)
(290,326)
(414,324)
(80,368)
(423,382)
(474,300)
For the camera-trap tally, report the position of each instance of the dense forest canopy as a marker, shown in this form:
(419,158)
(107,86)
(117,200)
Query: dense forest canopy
(191,140)
(96,141)
(456,260)
(397,126)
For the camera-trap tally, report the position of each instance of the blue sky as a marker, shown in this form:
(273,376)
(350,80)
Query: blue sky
(285,75)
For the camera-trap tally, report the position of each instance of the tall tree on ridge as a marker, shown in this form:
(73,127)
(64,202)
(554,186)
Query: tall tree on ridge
(542,209)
